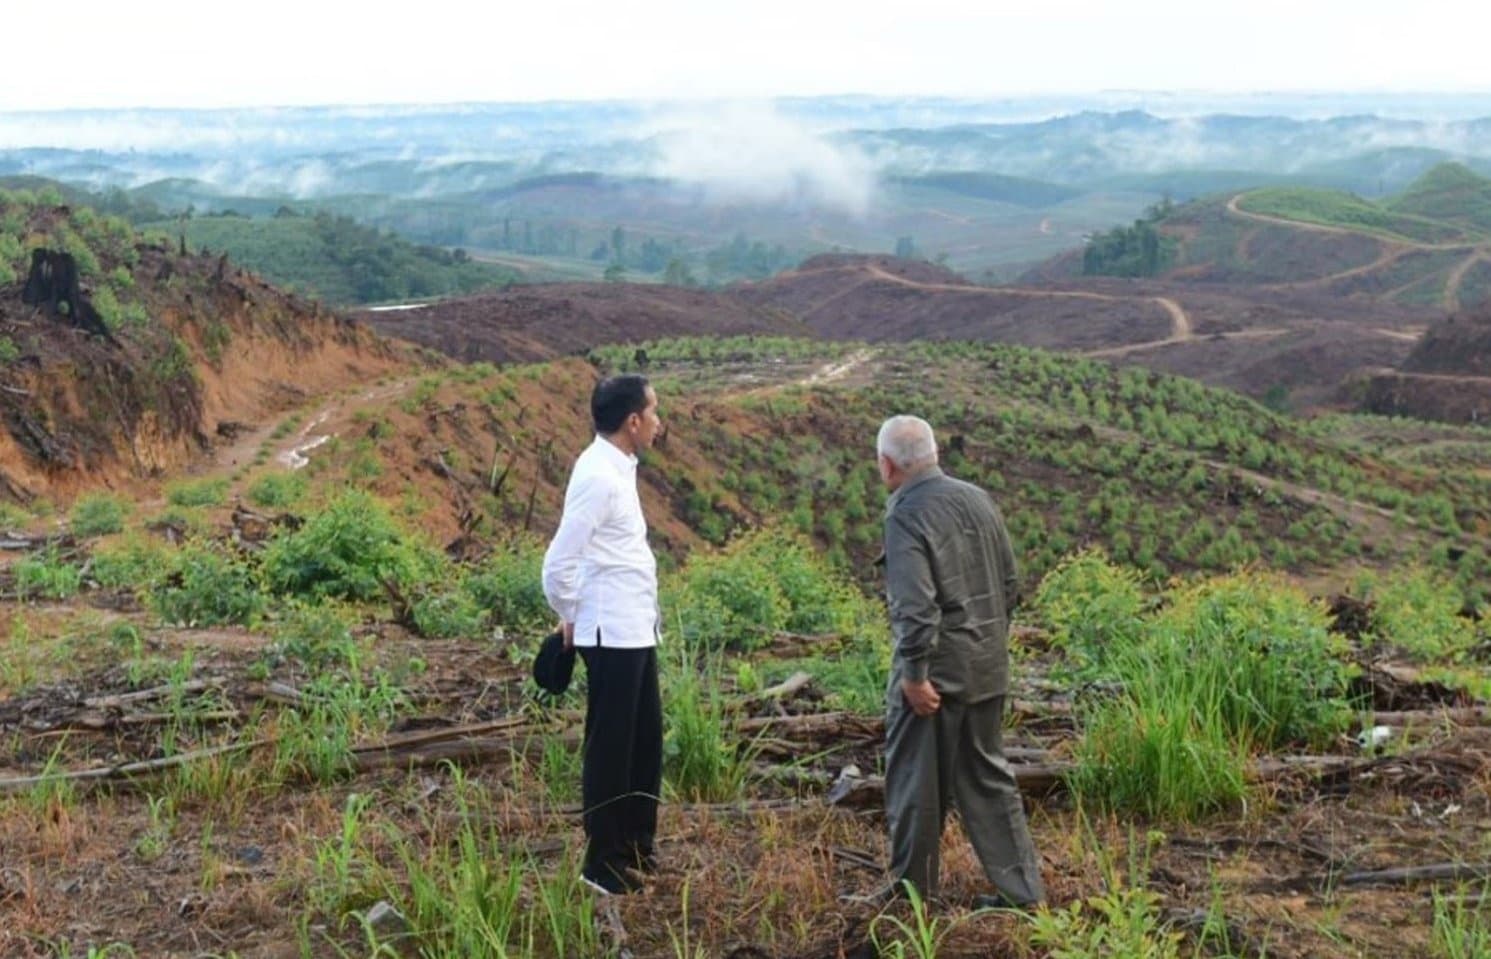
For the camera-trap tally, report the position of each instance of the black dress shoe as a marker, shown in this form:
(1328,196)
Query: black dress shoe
(884,896)
(999,901)
(609,882)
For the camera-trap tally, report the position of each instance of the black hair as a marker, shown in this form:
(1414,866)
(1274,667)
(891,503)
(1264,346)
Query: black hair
(615,399)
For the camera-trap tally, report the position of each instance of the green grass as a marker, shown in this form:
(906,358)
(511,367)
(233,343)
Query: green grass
(1451,193)
(1345,210)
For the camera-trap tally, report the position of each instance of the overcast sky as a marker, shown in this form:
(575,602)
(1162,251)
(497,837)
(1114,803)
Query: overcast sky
(188,53)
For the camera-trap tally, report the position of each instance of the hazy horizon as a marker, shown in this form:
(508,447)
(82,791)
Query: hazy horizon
(172,54)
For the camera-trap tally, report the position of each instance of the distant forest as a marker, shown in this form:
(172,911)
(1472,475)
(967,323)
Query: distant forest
(1138,250)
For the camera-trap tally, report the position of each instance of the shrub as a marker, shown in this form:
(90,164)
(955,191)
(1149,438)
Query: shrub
(1418,613)
(1092,607)
(277,490)
(317,636)
(46,575)
(447,615)
(98,515)
(508,585)
(348,550)
(209,586)
(135,562)
(763,583)
(207,492)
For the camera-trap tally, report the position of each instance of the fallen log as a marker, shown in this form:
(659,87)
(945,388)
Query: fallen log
(1461,716)
(1037,779)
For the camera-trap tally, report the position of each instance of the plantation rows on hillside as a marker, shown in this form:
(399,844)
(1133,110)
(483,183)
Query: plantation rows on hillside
(1167,474)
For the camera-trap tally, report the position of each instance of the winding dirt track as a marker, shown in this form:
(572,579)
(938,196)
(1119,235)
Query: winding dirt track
(1391,250)
(1180,324)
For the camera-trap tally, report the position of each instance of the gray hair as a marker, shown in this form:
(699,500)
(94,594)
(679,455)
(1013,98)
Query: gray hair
(907,441)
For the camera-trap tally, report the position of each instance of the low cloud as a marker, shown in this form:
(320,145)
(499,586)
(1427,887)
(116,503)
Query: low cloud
(748,152)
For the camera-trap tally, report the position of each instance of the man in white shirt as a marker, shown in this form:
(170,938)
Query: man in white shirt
(601,578)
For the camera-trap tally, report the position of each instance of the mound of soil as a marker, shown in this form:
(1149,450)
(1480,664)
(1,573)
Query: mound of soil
(1459,346)
(1429,396)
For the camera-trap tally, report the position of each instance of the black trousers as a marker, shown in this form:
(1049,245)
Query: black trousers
(623,761)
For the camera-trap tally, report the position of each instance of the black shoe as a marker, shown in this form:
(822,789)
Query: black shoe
(645,862)
(999,901)
(608,882)
(880,898)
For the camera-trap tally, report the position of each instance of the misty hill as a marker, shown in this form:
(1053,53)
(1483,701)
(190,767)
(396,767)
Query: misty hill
(1450,192)
(980,185)
(123,359)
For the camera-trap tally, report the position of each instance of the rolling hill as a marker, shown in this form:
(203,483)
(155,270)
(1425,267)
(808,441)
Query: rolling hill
(1428,246)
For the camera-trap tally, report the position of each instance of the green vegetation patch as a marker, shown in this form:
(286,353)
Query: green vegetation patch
(339,259)
(1348,211)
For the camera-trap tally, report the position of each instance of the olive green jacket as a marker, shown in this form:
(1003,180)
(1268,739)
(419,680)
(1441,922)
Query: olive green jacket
(951,581)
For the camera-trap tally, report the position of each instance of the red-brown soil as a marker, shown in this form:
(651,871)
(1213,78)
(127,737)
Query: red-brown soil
(1446,377)
(81,411)
(541,322)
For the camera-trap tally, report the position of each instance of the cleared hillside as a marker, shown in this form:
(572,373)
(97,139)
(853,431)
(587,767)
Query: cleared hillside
(544,321)
(124,360)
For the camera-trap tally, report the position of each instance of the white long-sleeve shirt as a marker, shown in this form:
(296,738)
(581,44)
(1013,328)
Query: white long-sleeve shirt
(599,572)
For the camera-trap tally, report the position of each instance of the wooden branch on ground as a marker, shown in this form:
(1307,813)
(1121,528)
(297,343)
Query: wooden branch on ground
(1399,876)
(128,771)
(787,688)
(95,722)
(120,700)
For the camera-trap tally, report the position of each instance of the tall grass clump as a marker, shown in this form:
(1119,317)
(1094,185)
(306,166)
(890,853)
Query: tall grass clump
(277,490)
(1266,647)
(1462,925)
(702,760)
(46,575)
(475,895)
(135,561)
(1417,613)
(206,492)
(1158,747)
(1232,665)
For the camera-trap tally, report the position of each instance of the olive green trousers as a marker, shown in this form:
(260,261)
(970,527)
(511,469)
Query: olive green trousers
(954,759)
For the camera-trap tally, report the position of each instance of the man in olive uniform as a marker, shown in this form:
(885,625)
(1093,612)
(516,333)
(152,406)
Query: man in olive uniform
(951,583)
